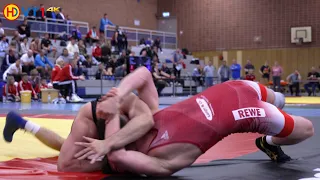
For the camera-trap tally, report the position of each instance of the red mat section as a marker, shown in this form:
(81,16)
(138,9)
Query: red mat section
(231,147)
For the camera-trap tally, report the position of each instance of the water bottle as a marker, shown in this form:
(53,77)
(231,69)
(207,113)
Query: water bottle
(49,98)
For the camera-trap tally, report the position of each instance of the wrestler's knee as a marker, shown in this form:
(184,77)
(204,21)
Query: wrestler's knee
(64,166)
(305,126)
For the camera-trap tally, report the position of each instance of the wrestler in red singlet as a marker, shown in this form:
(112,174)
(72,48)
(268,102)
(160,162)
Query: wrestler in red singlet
(231,107)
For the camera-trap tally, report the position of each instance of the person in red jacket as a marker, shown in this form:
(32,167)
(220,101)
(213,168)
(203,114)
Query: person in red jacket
(96,52)
(250,76)
(10,92)
(66,78)
(55,71)
(25,85)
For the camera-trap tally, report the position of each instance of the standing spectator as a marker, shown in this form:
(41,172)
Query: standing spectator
(9,59)
(25,85)
(92,36)
(209,74)
(14,70)
(46,44)
(41,16)
(1,30)
(248,66)
(27,62)
(96,52)
(25,47)
(120,39)
(42,64)
(224,72)
(4,47)
(61,19)
(10,91)
(24,29)
(103,22)
(197,74)
(35,46)
(265,73)
(313,81)
(294,80)
(51,20)
(250,76)
(276,76)
(235,69)
(76,33)
(157,43)
(177,63)
(72,47)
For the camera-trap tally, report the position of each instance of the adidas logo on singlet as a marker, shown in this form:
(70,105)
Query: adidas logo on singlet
(165,136)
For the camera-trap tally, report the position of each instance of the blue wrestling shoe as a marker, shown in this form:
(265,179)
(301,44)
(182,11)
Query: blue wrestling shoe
(13,122)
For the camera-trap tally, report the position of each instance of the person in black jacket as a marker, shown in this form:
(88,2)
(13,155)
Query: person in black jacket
(24,28)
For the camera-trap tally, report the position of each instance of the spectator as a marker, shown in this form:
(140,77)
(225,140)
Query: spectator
(159,77)
(235,70)
(111,66)
(105,52)
(9,91)
(120,71)
(276,76)
(103,22)
(92,36)
(61,19)
(39,14)
(25,85)
(148,42)
(4,47)
(35,81)
(42,64)
(88,63)
(14,70)
(82,49)
(157,43)
(294,80)
(1,30)
(248,66)
(76,33)
(65,77)
(265,72)
(165,68)
(142,42)
(35,46)
(27,61)
(24,29)
(250,76)
(15,48)
(122,59)
(101,71)
(177,63)
(51,19)
(79,69)
(46,44)
(54,77)
(197,75)
(43,84)
(96,52)
(154,52)
(313,81)
(25,47)
(9,59)
(31,14)
(224,72)
(72,48)
(65,55)
(209,74)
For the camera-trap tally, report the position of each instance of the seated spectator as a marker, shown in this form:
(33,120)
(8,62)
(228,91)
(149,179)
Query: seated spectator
(294,80)
(92,36)
(148,42)
(4,47)
(65,55)
(165,68)
(46,44)
(35,81)
(13,70)
(24,46)
(313,81)
(76,33)
(25,85)
(65,77)
(88,63)
(105,52)
(79,69)
(250,76)
(15,48)
(43,84)
(54,75)
(9,91)
(142,42)
(24,29)
(111,66)
(72,47)
(35,46)
(1,30)
(120,71)
(157,43)
(9,59)
(82,49)
(96,52)
(101,71)
(27,61)
(159,77)
(122,59)
(42,64)
(197,75)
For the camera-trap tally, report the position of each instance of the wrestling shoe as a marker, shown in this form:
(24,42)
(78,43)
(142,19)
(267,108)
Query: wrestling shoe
(274,152)
(13,122)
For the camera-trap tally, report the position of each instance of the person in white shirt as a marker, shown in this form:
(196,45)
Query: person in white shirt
(27,61)
(25,47)
(72,47)
(4,47)
(14,70)
(1,30)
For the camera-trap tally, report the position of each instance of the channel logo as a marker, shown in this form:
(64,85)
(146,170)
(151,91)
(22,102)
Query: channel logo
(11,12)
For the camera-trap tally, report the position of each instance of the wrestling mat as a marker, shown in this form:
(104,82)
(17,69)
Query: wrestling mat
(235,157)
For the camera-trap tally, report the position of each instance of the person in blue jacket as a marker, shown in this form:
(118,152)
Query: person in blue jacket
(42,63)
(235,70)
(103,22)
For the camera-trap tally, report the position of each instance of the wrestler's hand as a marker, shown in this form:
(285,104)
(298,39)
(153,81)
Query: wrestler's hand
(94,147)
(108,108)
(113,92)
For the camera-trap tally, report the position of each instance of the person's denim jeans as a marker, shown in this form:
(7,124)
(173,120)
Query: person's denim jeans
(209,81)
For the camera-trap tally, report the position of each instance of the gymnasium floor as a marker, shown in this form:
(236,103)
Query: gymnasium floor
(236,157)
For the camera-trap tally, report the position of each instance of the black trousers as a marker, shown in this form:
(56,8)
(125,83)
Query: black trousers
(295,85)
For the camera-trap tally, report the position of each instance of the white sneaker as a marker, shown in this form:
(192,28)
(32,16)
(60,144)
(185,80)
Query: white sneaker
(76,98)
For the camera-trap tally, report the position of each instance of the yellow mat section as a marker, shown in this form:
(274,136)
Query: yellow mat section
(303,100)
(26,146)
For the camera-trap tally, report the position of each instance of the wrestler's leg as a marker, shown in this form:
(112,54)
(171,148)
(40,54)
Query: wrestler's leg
(46,136)
(275,98)
(82,126)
